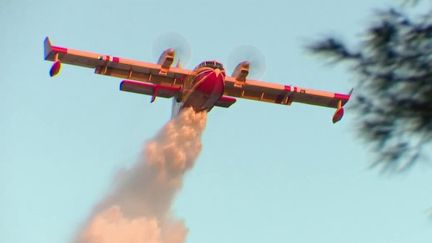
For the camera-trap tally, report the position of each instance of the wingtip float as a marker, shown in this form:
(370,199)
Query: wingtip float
(202,88)
(338,115)
(55,68)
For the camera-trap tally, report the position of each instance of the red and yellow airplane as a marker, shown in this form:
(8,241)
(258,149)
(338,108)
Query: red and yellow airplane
(202,88)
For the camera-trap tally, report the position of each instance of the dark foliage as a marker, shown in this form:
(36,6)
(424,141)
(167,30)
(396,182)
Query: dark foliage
(393,92)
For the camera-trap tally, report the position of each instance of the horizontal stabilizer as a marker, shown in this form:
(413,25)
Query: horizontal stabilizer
(225,101)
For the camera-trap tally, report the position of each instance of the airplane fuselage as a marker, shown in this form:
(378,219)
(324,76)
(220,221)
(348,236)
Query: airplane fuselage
(207,86)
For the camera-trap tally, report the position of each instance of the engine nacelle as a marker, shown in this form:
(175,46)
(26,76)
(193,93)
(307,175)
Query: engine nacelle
(241,71)
(166,59)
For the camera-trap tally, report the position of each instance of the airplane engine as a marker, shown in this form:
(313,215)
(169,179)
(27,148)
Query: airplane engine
(241,71)
(166,59)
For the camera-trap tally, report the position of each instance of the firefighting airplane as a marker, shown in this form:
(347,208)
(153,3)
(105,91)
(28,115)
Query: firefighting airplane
(202,88)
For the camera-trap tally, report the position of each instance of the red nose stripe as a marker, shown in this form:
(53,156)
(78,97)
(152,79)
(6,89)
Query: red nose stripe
(211,84)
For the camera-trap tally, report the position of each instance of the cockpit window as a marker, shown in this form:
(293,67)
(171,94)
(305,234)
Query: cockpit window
(211,64)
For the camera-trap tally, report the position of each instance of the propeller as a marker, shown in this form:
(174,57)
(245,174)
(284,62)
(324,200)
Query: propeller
(250,54)
(175,41)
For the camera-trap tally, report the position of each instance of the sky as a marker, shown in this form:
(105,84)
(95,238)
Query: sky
(266,173)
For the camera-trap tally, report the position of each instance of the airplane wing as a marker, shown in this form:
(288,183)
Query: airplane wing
(238,86)
(282,94)
(148,78)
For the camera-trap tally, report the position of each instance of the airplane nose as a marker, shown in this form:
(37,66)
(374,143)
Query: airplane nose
(217,71)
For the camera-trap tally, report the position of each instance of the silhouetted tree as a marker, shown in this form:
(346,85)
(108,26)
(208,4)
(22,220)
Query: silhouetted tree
(393,91)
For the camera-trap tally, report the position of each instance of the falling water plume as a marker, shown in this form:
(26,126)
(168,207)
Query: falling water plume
(138,207)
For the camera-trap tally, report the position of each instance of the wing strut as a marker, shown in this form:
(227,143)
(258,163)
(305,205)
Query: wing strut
(340,110)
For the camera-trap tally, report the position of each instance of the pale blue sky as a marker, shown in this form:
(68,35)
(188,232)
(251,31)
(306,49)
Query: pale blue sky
(267,173)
